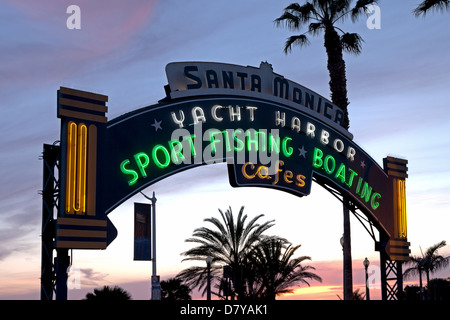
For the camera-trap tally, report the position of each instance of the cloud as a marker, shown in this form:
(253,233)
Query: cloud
(43,50)
(90,277)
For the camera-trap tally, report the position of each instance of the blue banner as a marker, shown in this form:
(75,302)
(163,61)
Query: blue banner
(142,234)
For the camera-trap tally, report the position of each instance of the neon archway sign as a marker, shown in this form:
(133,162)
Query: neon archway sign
(271,131)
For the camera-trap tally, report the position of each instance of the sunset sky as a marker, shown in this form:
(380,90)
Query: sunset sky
(399,105)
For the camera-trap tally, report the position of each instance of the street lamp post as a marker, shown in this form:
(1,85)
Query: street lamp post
(366,265)
(208,288)
(156,285)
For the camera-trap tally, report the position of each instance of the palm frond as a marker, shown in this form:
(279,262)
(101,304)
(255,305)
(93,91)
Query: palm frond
(300,40)
(351,42)
(315,27)
(427,5)
(304,12)
(361,8)
(289,20)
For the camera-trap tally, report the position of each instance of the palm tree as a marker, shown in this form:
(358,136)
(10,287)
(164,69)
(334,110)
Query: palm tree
(108,294)
(173,289)
(426,5)
(276,271)
(229,243)
(430,262)
(356,295)
(324,15)
(433,261)
(416,269)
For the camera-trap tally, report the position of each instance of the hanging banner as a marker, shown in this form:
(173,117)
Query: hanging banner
(142,234)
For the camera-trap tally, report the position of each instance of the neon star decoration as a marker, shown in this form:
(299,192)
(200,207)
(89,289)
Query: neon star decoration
(157,125)
(302,152)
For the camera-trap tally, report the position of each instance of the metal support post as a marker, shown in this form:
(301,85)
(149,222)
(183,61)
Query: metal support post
(50,196)
(62,262)
(391,276)
(156,286)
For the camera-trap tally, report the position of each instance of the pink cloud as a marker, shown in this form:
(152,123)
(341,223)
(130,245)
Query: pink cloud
(41,48)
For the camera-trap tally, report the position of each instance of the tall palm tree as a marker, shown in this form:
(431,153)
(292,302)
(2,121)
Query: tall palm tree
(426,5)
(416,268)
(324,15)
(276,271)
(430,262)
(228,243)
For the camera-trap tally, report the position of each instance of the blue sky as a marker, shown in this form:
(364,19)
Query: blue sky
(399,102)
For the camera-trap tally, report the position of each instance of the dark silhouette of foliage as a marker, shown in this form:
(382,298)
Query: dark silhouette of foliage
(108,294)
(429,5)
(257,266)
(324,15)
(173,289)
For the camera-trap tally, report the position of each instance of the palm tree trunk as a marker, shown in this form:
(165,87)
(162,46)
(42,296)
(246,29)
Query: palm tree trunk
(338,88)
(420,283)
(428,285)
(336,69)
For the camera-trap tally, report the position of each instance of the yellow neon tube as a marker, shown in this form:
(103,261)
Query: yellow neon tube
(76,168)
(71,159)
(401,210)
(81,170)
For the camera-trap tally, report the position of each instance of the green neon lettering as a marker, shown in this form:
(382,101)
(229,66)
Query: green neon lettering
(176,149)
(287,151)
(374,204)
(262,140)
(191,144)
(156,159)
(252,141)
(317,159)
(239,143)
(213,140)
(358,188)
(350,179)
(366,192)
(326,164)
(129,171)
(227,140)
(340,173)
(142,165)
(274,143)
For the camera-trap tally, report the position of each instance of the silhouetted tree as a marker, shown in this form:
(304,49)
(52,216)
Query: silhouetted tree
(108,294)
(439,289)
(428,5)
(323,15)
(228,243)
(257,266)
(174,289)
(356,295)
(276,271)
(429,262)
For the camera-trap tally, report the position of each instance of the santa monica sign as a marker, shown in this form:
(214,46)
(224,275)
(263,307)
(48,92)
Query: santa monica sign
(271,132)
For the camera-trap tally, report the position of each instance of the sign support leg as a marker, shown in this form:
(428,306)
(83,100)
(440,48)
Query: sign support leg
(346,247)
(62,266)
(50,196)
(391,275)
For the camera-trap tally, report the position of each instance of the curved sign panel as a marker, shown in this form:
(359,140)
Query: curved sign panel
(271,131)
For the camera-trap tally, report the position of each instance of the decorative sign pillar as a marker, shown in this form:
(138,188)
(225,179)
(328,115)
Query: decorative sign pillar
(398,247)
(80,224)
